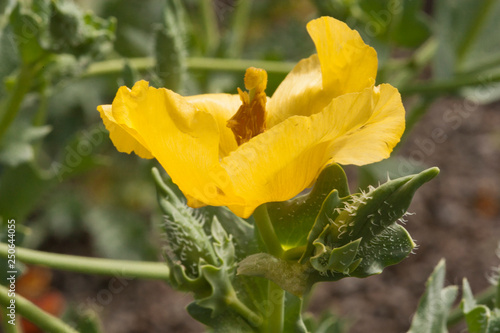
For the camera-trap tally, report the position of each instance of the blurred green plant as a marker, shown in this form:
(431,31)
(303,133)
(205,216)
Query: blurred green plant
(58,62)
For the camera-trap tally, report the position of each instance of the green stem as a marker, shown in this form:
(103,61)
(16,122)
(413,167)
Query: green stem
(294,253)
(276,296)
(115,66)
(266,230)
(41,114)
(33,313)
(234,303)
(145,270)
(438,87)
(9,328)
(21,88)
(486,297)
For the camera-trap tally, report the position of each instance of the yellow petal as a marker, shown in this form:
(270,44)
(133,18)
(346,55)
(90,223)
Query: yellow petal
(184,139)
(347,63)
(373,140)
(344,64)
(125,141)
(301,93)
(222,107)
(278,164)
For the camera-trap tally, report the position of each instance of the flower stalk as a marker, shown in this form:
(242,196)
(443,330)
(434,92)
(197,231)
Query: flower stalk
(276,295)
(33,313)
(145,270)
(266,230)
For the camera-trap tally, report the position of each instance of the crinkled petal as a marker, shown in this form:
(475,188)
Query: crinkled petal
(347,63)
(222,107)
(357,128)
(344,64)
(125,141)
(300,94)
(375,139)
(184,139)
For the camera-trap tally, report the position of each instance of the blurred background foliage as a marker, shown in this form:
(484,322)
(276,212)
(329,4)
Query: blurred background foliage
(65,183)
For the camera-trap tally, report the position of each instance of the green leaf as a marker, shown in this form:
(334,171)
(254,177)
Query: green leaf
(326,323)
(226,322)
(43,27)
(119,234)
(479,318)
(435,304)
(80,153)
(27,25)
(17,146)
(8,49)
(25,185)
(467,36)
(412,28)
(293,219)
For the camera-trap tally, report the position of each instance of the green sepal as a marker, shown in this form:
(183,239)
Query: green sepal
(368,214)
(354,236)
(479,318)
(293,219)
(327,213)
(242,231)
(370,218)
(201,255)
(390,247)
(435,304)
(340,222)
(341,259)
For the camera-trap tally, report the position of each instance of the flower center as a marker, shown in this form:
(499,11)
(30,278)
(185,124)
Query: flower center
(250,119)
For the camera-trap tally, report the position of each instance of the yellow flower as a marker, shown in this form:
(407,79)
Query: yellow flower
(244,150)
